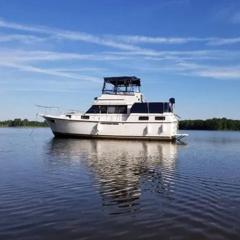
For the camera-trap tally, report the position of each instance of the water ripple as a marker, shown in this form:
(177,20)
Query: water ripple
(92,189)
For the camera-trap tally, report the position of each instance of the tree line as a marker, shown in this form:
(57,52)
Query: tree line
(17,122)
(210,124)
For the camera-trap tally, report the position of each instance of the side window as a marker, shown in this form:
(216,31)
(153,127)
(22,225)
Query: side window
(160,118)
(143,118)
(84,117)
(102,109)
(93,109)
(111,109)
(122,109)
(117,109)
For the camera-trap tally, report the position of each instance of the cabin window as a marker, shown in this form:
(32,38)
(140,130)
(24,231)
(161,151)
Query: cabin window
(84,117)
(52,121)
(160,118)
(68,115)
(150,107)
(110,109)
(103,109)
(143,118)
(122,109)
(93,109)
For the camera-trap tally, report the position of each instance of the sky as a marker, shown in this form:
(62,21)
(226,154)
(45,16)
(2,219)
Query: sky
(56,53)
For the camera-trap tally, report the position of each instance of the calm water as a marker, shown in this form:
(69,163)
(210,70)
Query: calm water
(99,189)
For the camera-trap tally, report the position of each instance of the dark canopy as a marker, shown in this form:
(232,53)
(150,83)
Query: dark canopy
(123,81)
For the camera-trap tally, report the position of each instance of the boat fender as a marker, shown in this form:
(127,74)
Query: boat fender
(95,130)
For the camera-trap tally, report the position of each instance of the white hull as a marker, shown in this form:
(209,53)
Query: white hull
(106,129)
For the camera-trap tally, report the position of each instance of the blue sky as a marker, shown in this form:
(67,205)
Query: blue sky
(57,52)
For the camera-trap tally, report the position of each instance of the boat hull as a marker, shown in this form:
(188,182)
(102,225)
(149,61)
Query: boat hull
(166,131)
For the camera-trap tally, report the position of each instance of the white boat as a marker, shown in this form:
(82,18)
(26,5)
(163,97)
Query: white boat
(120,112)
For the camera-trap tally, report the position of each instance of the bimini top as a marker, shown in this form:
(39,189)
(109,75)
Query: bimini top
(125,80)
(121,85)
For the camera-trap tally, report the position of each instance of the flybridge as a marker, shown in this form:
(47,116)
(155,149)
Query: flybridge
(121,85)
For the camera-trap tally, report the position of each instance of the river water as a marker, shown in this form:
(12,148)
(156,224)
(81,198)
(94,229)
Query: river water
(105,189)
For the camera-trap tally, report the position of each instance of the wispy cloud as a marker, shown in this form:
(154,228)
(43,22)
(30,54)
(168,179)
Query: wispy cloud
(121,42)
(195,55)
(185,68)
(210,41)
(28,39)
(10,55)
(154,40)
(180,62)
(48,71)
(220,73)
(25,56)
(68,35)
(210,71)
(223,41)
(126,50)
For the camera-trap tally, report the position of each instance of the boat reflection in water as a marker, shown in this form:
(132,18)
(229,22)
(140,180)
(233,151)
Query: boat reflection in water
(123,171)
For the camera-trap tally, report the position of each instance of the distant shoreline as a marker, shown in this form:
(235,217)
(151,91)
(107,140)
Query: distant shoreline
(208,124)
(17,122)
